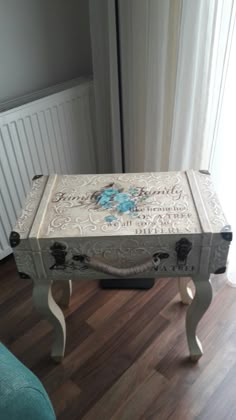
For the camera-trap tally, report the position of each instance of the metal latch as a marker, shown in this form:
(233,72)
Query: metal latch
(183,248)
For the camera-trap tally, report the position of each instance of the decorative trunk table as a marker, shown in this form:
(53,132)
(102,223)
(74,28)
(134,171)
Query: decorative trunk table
(166,224)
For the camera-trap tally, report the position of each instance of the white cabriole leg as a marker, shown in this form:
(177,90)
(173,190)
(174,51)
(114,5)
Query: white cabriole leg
(195,312)
(48,308)
(66,292)
(185,291)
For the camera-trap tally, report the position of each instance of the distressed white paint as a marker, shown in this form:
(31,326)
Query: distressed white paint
(70,236)
(185,291)
(48,308)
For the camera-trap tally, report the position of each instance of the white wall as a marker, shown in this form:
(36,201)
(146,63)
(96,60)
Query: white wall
(42,42)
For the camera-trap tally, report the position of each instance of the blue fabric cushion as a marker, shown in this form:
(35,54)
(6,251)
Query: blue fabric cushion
(22,396)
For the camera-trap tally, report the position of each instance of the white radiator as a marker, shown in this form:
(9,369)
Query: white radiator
(54,134)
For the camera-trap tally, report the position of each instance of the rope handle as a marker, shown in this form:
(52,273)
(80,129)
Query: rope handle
(148,265)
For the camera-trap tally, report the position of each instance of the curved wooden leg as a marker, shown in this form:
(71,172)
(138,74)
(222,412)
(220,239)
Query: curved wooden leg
(66,292)
(186,293)
(47,307)
(195,312)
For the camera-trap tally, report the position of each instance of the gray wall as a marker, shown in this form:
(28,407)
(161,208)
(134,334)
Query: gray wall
(42,42)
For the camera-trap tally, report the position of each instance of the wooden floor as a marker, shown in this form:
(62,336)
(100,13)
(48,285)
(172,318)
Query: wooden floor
(126,354)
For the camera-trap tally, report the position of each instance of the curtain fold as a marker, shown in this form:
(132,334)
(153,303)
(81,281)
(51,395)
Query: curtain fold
(172,65)
(103,32)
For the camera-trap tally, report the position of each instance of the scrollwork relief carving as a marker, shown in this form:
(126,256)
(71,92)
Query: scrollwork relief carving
(216,215)
(124,204)
(25,263)
(25,220)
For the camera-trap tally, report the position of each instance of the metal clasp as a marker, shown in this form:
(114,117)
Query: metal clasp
(183,248)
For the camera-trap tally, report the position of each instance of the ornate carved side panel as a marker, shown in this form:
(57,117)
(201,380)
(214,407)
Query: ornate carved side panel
(215,213)
(66,258)
(219,254)
(25,264)
(19,236)
(222,235)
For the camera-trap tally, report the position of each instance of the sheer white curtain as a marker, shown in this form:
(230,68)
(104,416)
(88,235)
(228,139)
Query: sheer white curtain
(172,61)
(224,147)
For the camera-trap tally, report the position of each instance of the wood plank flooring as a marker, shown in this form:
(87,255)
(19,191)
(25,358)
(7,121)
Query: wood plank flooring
(126,354)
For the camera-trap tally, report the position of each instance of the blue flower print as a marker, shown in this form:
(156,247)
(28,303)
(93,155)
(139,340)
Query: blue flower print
(107,205)
(121,197)
(126,206)
(110,191)
(114,198)
(110,219)
(103,200)
(133,191)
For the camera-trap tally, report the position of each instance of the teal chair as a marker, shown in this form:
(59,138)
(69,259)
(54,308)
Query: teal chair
(22,396)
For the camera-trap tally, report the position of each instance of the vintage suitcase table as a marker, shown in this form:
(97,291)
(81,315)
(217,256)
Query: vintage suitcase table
(166,224)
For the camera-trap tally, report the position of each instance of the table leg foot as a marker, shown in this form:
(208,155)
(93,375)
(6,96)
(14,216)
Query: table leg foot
(66,292)
(48,308)
(186,293)
(195,312)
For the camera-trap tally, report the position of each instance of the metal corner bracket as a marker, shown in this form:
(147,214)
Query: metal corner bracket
(226,233)
(14,239)
(204,171)
(220,270)
(23,275)
(36,177)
